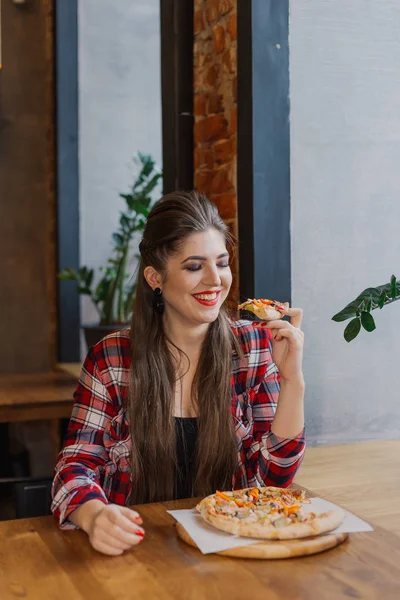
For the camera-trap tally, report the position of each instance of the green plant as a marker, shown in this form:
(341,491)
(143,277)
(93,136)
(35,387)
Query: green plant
(359,310)
(113,294)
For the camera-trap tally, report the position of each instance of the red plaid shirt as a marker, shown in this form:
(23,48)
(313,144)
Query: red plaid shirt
(94,462)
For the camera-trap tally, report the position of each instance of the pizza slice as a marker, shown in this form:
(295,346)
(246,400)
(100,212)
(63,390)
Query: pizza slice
(262,309)
(266,513)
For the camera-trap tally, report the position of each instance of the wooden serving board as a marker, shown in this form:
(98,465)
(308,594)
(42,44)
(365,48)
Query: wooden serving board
(276,549)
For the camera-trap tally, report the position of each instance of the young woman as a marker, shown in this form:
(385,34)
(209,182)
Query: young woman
(187,401)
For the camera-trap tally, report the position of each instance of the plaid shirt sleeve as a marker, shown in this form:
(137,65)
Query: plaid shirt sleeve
(274,459)
(80,465)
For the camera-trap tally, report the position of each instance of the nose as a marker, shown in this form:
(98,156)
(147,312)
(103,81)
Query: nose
(212,276)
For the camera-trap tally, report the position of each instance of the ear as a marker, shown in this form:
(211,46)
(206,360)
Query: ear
(152,277)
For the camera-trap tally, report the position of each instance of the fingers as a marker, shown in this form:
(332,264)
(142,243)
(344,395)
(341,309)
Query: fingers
(119,539)
(116,529)
(125,521)
(131,514)
(291,333)
(106,549)
(296,316)
(123,529)
(110,542)
(124,537)
(283,329)
(275,324)
(278,324)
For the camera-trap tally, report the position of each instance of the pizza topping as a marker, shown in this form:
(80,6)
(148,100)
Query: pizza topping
(242,514)
(260,303)
(293,509)
(270,505)
(223,496)
(262,308)
(257,303)
(230,510)
(281,522)
(255,492)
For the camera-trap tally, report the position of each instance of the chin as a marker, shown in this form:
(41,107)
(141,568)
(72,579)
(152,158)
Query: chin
(210,317)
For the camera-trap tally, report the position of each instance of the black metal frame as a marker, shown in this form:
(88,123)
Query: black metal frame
(66,52)
(264,149)
(245,149)
(177,93)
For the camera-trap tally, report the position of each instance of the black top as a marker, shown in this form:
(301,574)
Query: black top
(186,436)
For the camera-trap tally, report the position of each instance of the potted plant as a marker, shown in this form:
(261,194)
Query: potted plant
(359,310)
(113,294)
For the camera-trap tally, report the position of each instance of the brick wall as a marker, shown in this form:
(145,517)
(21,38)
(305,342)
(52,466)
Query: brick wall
(215,106)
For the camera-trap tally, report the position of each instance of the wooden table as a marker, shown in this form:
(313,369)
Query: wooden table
(74,369)
(39,561)
(362,477)
(30,397)
(37,396)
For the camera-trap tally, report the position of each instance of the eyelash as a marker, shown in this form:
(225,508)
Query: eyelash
(198,267)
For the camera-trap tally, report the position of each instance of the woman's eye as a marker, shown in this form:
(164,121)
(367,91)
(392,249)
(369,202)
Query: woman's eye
(223,265)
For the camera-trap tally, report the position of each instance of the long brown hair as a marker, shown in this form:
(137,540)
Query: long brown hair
(153,372)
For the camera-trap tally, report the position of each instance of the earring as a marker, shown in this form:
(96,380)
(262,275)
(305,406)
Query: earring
(158,302)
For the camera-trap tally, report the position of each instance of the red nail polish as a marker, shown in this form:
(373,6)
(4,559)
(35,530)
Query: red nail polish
(140,533)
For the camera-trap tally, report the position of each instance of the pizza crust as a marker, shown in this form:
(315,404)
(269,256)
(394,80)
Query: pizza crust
(321,524)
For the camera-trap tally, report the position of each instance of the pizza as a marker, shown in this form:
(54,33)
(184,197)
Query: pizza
(267,513)
(262,309)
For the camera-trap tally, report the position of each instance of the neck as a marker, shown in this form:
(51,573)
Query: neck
(187,338)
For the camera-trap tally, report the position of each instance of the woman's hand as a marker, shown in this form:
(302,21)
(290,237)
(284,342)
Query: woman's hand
(115,529)
(287,345)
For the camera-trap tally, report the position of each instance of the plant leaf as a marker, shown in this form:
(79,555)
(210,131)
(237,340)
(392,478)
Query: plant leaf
(382,299)
(125,221)
(346,313)
(118,239)
(371,291)
(352,330)
(129,200)
(84,290)
(367,321)
(101,291)
(393,286)
(69,274)
(89,279)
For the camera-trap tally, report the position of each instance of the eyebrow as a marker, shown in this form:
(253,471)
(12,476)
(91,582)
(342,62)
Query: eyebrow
(203,258)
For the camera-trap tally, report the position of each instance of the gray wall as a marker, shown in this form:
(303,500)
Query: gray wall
(119,113)
(345,189)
